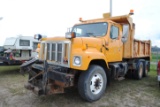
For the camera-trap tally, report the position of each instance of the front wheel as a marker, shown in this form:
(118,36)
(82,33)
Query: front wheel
(92,83)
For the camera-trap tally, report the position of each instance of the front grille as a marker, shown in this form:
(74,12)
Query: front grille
(56,52)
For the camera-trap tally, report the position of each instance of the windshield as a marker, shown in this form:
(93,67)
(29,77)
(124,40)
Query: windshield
(87,30)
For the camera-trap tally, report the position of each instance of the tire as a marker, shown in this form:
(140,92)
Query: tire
(139,71)
(146,69)
(92,83)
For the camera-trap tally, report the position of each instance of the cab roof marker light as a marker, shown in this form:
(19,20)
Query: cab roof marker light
(131,12)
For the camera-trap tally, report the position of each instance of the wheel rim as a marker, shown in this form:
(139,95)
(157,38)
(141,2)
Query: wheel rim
(141,71)
(96,83)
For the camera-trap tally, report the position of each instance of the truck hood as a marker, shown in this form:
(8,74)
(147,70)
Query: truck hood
(92,42)
(79,41)
(76,42)
(54,39)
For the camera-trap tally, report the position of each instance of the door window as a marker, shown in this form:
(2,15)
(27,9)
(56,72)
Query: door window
(125,30)
(24,42)
(125,33)
(114,32)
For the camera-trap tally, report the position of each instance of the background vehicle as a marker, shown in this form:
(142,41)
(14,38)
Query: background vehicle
(92,54)
(1,50)
(19,49)
(158,72)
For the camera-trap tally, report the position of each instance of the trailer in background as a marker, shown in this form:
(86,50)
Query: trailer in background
(19,49)
(1,50)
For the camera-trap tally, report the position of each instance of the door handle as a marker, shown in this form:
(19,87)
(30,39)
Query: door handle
(105,47)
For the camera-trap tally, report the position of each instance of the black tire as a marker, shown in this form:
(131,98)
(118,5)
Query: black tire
(95,74)
(138,74)
(139,71)
(146,69)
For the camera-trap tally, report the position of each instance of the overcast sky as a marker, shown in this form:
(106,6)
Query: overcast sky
(53,17)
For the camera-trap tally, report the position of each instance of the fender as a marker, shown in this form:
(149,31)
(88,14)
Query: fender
(86,57)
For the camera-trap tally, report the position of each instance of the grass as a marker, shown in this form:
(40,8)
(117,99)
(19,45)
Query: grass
(128,92)
(153,70)
(155,57)
(9,68)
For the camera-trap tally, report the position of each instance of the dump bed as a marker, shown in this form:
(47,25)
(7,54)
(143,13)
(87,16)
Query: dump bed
(134,48)
(137,49)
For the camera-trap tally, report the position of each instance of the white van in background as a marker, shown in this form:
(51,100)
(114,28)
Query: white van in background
(19,49)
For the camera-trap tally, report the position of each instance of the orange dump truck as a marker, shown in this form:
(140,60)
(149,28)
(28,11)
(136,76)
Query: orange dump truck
(89,57)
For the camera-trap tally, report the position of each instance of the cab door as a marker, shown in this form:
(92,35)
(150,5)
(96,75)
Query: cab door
(115,45)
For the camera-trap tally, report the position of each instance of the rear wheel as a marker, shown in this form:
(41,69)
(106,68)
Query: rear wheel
(92,83)
(146,69)
(139,71)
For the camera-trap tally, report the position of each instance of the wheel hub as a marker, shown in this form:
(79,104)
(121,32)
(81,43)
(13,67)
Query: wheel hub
(96,83)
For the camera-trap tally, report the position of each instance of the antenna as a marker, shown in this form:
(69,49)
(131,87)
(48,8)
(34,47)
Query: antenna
(110,8)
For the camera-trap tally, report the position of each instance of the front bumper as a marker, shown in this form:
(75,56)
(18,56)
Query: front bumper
(54,74)
(50,80)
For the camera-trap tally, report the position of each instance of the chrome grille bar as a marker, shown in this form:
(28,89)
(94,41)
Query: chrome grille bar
(53,51)
(45,54)
(56,53)
(50,55)
(63,48)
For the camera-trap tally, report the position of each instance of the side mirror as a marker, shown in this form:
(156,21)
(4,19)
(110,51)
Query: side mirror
(124,39)
(37,36)
(70,35)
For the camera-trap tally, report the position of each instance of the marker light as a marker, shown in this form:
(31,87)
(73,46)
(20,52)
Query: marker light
(131,12)
(80,19)
(38,46)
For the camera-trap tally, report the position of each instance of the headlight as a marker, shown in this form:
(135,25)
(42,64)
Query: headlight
(77,61)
